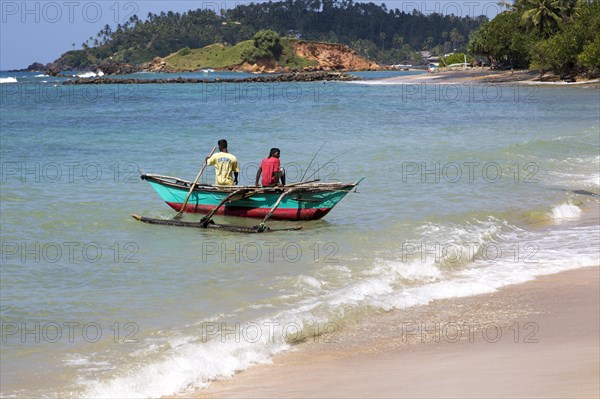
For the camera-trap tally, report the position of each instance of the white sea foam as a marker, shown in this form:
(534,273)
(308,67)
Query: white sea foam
(413,271)
(578,172)
(77,361)
(339,269)
(90,74)
(594,180)
(261,306)
(192,362)
(308,281)
(566,211)
(189,366)
(86,366)
(522,260)
(41,76)
(8,80)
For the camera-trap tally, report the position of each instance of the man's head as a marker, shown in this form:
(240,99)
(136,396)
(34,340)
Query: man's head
(274,153)
(222,144)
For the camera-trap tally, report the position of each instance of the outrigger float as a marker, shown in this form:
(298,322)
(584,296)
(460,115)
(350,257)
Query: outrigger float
(309,200)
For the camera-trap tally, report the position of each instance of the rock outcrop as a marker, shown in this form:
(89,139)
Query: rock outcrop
(159,65)
(328,57)
(35,67)
(110,67)
(332,57)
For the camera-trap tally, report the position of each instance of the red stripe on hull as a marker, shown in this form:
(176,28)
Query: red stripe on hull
(278,214)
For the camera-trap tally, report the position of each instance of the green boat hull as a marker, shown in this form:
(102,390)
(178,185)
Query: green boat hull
(306,202)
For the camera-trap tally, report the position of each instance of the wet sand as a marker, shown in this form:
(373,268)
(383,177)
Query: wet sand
(537,339)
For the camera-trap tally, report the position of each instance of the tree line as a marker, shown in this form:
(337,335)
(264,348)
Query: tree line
(374,31)
(561,36)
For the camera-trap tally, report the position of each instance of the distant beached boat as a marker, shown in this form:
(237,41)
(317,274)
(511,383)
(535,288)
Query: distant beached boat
(302,201)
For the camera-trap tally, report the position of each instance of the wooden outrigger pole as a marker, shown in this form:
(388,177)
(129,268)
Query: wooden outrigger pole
(206,221)
(261,226)
(231,197)
(200,225)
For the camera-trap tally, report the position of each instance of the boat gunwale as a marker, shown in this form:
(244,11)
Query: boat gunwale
(174,182)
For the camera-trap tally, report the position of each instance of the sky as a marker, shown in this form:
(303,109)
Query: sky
(40,31)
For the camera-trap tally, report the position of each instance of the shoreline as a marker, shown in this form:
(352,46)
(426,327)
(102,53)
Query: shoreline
(538,338)
(469,76)
(486,76)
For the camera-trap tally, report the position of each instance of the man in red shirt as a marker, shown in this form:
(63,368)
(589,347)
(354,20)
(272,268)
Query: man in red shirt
(271,170)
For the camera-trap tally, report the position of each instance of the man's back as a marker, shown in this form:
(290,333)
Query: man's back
(269,167)
(225,164)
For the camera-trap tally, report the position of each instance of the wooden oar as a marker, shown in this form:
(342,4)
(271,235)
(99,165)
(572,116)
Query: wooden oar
(178,215)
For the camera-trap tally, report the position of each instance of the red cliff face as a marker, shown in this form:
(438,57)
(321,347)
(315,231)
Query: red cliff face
(329,57)
(332,56)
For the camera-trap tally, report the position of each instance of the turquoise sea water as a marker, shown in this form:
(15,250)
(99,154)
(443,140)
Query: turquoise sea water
(467,188)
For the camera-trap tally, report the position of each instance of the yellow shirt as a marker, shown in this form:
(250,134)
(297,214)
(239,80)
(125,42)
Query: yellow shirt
(225,164)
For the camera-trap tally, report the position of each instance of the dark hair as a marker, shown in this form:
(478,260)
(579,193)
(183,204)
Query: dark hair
(222,144)
(273,151)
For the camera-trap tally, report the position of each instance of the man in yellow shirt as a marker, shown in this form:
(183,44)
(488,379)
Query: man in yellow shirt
(226,166)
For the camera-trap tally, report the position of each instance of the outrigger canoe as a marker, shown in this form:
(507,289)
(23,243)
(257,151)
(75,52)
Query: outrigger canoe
(300,201)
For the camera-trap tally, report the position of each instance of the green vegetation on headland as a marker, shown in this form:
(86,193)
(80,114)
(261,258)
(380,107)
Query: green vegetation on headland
(219,56)
(213,56)
(559,36)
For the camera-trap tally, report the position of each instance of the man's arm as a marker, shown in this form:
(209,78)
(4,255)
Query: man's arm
(235,177)
(258,173)
(279,180)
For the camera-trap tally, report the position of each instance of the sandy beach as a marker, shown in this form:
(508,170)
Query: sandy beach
(486,75)
(537,339)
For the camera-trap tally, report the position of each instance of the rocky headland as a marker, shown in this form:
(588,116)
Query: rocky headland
(326,57)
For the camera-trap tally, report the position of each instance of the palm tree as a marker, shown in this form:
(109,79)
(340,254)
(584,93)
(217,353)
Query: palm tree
(456,38)
(544,15)
(569,9)
(397,41)
(382,37)
(429,42)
